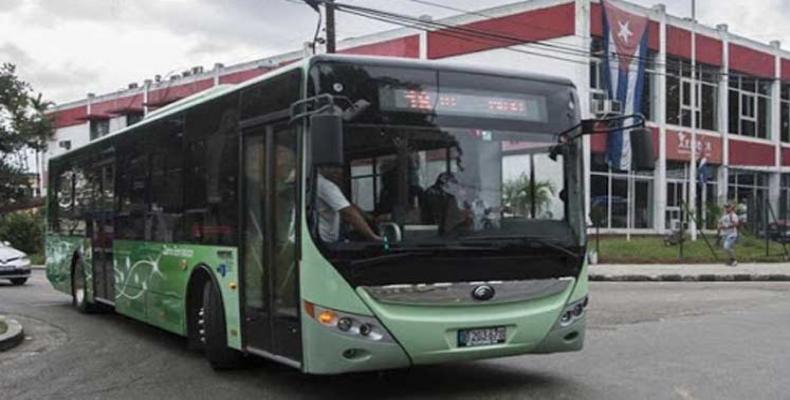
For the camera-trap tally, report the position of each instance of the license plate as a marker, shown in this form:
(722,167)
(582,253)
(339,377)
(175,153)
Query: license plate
(481,336)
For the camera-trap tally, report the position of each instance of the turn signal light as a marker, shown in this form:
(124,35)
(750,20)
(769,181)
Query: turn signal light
(327,317)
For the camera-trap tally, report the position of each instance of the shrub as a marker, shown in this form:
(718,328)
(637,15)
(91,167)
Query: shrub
(24,230)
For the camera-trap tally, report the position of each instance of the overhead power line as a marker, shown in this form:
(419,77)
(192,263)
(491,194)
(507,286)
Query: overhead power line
(509,42)
(488,16)
(485,37)
(470,34)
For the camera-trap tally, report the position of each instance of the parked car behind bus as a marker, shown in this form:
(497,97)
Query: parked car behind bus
(14,264)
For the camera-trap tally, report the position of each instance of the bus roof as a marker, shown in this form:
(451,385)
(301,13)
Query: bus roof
(221,90)
(440,65)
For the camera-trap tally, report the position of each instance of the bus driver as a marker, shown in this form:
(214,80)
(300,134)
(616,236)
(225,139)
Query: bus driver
(333,206)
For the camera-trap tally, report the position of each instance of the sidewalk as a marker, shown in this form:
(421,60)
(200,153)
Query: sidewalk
(12,334)
(690,272)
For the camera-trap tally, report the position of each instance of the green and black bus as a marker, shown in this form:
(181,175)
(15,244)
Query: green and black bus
(455,228)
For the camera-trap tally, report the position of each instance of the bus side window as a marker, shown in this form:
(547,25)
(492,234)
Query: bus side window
(82,202)
(211,173)
(65,202)
(165,215)
(131,193)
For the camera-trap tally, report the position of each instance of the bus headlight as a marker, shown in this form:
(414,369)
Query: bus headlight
(347,324)
(573,311)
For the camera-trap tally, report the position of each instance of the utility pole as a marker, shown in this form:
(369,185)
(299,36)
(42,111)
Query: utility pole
(694,10)
(693,174)
(328,14)
(329,10)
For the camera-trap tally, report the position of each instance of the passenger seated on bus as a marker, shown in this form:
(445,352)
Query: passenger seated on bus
(333,206)
(440,206)
(390,192)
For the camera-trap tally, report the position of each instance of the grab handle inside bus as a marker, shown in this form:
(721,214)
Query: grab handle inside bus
(326,137)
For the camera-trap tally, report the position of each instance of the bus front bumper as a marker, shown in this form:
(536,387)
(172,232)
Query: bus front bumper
(328,352)
(432,334)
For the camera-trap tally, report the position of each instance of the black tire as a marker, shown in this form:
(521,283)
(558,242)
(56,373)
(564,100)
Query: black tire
(212,331)
(18,281)
(79,297)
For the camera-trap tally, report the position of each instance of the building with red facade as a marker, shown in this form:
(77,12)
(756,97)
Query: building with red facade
(742,112)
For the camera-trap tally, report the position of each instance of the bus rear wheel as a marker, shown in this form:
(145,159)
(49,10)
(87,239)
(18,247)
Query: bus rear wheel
(212,330)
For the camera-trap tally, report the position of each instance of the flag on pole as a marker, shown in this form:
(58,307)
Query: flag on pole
(625,51)
(703,171)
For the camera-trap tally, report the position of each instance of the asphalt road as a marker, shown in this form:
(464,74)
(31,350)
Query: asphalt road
(646,341)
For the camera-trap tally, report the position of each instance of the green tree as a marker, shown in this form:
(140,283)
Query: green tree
(519,195)
(24,230)
(23,127)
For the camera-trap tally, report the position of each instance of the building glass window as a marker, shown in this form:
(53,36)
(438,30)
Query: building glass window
(678,182)
(785,113)
(749,108)
(784,198)
(679,88)
(99,128)
(677,193)
(133,118)
(620,200)
(750,190)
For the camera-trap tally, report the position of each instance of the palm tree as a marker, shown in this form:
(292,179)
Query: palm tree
(519,195)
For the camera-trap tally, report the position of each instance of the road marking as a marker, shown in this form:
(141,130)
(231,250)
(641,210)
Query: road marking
(684,394)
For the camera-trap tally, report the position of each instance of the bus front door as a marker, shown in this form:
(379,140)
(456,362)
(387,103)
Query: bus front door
(270,284)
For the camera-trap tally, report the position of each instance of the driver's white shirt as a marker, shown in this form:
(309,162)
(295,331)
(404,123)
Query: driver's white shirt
(330,201)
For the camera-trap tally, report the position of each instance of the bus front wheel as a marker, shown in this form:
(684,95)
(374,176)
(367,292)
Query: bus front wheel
(212,330)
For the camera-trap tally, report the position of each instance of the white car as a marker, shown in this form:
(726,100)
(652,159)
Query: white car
(14,264)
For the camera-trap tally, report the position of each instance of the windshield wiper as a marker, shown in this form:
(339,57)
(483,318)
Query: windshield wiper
(524,239)
(365,262)
(399,253)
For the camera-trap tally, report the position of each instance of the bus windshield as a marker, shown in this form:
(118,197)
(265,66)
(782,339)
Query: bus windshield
(446,158)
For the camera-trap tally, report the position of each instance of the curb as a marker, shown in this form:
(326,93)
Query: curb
(691,278)
(13,336)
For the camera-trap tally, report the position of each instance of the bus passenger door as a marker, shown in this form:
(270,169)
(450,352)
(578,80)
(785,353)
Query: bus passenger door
(271,298)
(101,231)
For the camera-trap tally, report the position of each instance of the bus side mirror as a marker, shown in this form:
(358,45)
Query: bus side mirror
(642,155)
(326,138)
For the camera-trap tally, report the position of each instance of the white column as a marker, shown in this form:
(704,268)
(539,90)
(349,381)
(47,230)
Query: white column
(660,181)
(217,72)
(724,109)
(90,97)
(582,80)
(423,45)
(146,89)
(776,126)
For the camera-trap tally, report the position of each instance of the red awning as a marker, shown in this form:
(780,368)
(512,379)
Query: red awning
(125,110)
(95,117)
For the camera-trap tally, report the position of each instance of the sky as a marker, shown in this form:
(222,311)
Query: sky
(67,48)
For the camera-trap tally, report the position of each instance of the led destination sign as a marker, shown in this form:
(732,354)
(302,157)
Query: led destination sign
(468,103)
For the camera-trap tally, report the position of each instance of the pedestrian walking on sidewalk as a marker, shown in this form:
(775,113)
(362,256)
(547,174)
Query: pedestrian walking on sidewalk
(728,232)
